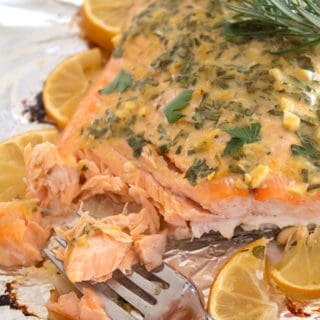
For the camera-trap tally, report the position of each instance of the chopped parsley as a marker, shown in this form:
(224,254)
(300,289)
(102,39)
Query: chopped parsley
(242,136)
(122,82)
(307,149)
(137,142)
(206,111)
(171,111)
(199,169)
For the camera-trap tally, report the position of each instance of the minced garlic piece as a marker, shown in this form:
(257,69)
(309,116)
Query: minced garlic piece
(211,175)
(129,166)
(304,74)
(255,178)
(116,39)
(290,120)
(286,104)
(240,184)
(298,189)
(82,241)
(122,113)
(127,110)
(253,149)
(279,77)
(130,105)
(142,112)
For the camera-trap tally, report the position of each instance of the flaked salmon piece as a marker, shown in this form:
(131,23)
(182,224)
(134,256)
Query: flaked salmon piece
(100,254)
(88,307)
(103,184)
(150,249)
(51,179)
(66,306)
(91,306)
(102,249)
(23,233)
(96,247)
(148,217)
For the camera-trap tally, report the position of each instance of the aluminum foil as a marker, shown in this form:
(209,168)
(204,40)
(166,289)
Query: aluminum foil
(35,35)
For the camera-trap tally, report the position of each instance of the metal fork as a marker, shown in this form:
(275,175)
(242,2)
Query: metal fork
(163,294)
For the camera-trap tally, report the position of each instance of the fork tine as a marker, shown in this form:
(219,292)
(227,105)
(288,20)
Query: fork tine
(59,266)
(167,273)
(139,303)
(112,309)
(150,287)
(61,241)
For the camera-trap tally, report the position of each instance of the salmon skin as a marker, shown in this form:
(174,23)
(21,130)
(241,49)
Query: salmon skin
(214,132)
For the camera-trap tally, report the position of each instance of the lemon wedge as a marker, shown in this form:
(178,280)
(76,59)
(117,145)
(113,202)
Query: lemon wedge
(298,273)
(239,291)
(12,168)
(104,19)
(68,83)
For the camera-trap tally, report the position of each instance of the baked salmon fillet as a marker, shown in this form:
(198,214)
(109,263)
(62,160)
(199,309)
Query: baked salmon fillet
(209,132)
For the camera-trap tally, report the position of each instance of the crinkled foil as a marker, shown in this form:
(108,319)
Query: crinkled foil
(35,35)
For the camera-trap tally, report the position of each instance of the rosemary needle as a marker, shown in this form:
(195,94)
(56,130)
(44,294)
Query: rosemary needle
(290,18)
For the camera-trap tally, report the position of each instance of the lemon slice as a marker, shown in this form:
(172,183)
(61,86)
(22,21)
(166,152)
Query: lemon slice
(299,273)
(68,83)
(239,291)
(104,19)
(12,168)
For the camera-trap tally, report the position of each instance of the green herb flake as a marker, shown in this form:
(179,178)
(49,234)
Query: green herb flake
(122,82)
(171,111)
(258,252)
(308,149)
(137,142)
(242,136)
(199,169)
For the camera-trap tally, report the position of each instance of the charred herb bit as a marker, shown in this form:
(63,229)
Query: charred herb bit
(164,148)
(313,187)
(199,169)
(306,63)
(162,61)
(206,111)
(171,111)
(162,132)
(275,112)
(137,142)
(305,175)
(258,252)
(102,126)
(122,82)
(242,136)
(84,167)
(179,149)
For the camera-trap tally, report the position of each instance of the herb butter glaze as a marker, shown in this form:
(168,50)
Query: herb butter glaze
(176,46)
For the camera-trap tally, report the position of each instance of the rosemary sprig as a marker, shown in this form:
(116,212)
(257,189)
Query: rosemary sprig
(299,19)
